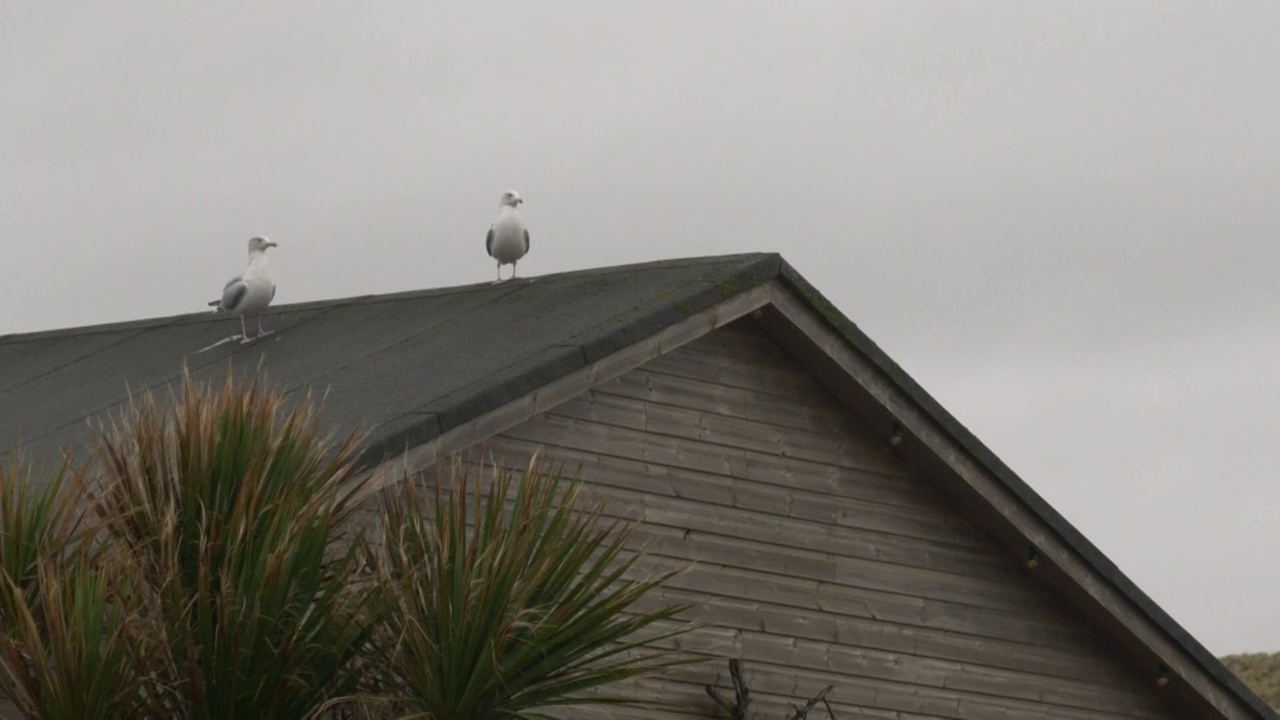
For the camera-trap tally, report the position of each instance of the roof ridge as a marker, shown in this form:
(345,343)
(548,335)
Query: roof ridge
(142,323)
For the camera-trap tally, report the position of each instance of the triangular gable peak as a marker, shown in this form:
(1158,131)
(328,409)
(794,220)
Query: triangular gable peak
(776,300)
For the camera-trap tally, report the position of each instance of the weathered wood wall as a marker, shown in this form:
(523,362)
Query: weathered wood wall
(819,558)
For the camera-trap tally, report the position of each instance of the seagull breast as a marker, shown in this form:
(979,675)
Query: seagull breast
(508,237)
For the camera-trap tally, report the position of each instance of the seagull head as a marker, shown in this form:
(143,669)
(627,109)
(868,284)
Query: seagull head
(511,198)
(260,244)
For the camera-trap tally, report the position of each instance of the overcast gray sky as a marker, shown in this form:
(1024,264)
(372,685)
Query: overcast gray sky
(1061,218)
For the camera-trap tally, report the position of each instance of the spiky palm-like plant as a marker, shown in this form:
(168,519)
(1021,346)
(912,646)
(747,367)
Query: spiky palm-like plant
(229,507)
(86,651)
(36,520)
(73,642)
(508,599)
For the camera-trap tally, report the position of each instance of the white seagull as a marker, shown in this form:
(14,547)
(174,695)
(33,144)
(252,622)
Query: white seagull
(252,292)
(508,240)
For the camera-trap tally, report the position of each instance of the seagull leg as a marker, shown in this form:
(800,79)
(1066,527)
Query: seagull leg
(262,332)
(495,282)
(513,271)
(244,332)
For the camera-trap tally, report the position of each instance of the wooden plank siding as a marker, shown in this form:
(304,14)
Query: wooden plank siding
(820,557)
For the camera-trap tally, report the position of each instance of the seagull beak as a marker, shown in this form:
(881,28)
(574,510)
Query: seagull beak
(272,243)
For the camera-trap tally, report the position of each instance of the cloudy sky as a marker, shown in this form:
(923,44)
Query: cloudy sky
(1062,219)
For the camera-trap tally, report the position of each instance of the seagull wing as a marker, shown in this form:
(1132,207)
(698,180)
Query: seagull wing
(526,239)
(273,293)
(232,294)
(488,241)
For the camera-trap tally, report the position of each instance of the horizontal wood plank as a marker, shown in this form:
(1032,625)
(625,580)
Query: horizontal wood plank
(743,403)
(629,493)
(1074,660)
(696,365)
(909,673)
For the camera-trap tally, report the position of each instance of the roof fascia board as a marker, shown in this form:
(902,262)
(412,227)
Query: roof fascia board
(805,316)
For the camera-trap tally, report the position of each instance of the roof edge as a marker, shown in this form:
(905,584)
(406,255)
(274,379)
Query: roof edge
(1056,522)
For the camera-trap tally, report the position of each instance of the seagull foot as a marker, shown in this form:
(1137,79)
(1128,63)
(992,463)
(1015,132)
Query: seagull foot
(264,333)
(247,340)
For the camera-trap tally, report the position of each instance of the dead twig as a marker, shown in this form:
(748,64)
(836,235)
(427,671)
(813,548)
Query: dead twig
(741,693)
(803,713)
(737,710)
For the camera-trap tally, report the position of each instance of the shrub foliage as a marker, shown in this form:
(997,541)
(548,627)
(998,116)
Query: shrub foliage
(208,562)
(1260,671)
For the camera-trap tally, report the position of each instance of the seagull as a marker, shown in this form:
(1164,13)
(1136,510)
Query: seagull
(508,240)
(252,292)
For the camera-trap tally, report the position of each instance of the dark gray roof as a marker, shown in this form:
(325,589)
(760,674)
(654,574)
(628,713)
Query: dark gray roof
(416,364)
(411,365)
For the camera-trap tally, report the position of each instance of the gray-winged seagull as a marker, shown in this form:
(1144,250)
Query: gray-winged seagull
(252,292)
(508,239)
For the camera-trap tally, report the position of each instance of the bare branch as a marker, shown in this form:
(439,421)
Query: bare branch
(741,693)
(802,713)
(724,704)
(737,710)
